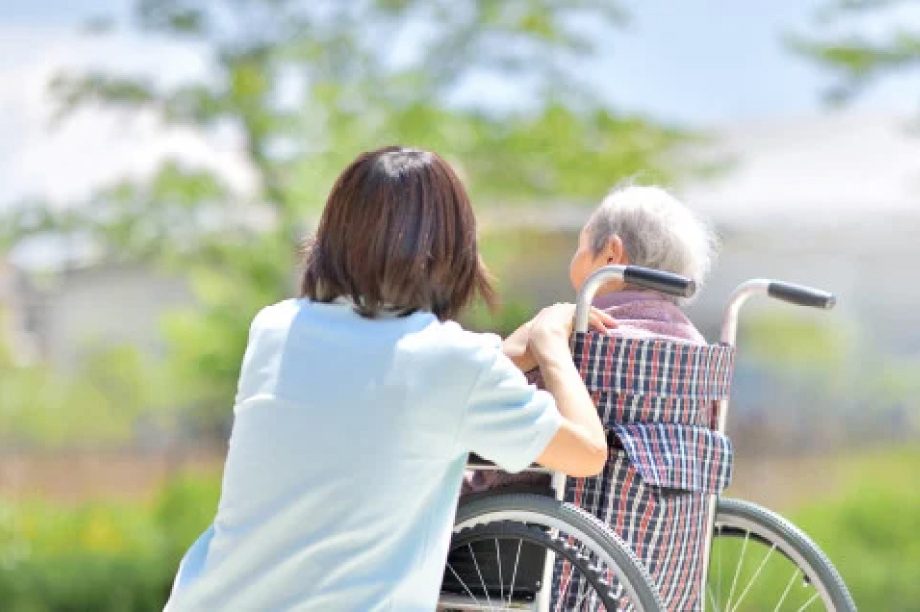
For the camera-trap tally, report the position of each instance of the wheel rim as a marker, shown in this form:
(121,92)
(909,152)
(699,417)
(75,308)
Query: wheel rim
(752,567)
(624,590)
(480,576)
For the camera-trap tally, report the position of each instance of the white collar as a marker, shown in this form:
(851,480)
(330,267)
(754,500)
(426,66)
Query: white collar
(387,311)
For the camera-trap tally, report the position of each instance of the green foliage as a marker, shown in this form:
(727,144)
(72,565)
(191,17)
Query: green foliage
(868,531)
(503,320)
(870,534)
(795,341)
(812,354)
(121,556)
(100,556)
(100,402)
(852,53)
(305,86)
(185,507)
(895,380)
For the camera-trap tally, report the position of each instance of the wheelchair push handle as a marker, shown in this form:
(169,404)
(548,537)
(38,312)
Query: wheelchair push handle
(781,290)
(801,295)
(663,282)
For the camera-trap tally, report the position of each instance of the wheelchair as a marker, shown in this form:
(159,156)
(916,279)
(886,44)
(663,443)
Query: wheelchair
(652,532)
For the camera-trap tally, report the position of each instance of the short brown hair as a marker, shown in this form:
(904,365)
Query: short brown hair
(398,231)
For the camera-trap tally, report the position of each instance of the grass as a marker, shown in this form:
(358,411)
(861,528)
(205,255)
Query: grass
(120,555)
(862,510)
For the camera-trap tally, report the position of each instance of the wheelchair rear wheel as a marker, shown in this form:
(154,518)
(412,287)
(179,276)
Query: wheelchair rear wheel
(760,561)
(502,545)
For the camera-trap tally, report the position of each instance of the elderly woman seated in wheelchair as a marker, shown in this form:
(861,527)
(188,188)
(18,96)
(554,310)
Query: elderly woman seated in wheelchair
(637,536)
(641,226)
(661,437)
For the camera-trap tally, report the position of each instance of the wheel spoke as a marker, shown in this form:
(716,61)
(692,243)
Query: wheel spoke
(463,583)
(517,558)
(731,593)
(719,561)
(786,592)
(501,582)
(482,581)
(754,577)
(712,598)
(776,549)
(528,523)
(808,603)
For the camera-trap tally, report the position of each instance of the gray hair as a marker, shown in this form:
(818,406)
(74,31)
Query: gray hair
(657,231)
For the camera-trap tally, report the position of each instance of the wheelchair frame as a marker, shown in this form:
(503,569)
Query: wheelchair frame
(795,294)
(676,285)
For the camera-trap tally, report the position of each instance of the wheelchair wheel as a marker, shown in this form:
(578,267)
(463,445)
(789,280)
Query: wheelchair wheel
(760,561)
(502,544)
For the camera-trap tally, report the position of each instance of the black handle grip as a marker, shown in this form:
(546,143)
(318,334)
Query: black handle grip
(475,460)
(665,282)
(801,295)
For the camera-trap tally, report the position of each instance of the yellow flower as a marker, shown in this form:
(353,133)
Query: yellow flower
(101,535)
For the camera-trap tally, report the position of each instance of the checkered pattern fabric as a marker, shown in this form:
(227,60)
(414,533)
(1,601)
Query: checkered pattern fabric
(682,457)
(660,399)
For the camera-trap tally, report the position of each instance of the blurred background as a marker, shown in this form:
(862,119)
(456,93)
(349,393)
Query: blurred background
(161,161)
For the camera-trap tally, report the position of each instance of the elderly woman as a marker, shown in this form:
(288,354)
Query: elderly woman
(639,225)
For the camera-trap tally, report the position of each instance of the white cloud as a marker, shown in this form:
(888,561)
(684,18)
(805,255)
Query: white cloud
(93,147)
(826,165)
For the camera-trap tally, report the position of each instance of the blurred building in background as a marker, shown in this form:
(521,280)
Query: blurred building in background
(59,314)
(18,310)
(830,201)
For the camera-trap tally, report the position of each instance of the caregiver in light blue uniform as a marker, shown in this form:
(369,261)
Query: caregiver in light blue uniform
(359,402)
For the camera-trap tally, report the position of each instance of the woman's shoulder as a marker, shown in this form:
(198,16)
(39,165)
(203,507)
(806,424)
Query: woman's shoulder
(452,342)
(465,339)
(276,315)
(283,309)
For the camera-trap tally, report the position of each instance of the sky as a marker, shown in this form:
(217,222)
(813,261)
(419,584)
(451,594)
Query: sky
(711,64)
(704,62)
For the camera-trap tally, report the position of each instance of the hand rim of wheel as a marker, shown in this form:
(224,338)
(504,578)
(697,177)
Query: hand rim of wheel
(535,535)
(535,509)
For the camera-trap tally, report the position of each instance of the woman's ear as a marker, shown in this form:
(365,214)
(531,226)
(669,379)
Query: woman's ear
(614,253)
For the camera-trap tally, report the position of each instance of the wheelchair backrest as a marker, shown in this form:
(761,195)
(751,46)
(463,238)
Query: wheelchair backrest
(652,380)
(659,399)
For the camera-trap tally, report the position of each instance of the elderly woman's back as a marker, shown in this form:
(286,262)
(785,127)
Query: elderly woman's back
(639,314)
(644,226)
(656,384)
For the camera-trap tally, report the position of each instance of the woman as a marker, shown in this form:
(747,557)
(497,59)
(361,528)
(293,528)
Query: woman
(359,402)
(639,225)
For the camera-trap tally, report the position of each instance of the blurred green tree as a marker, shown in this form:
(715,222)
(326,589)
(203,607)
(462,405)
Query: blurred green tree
(100,403)
(860,41)
(303,86)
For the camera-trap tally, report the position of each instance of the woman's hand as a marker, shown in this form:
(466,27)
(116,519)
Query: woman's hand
(516,348)
(551,329)
(579,448)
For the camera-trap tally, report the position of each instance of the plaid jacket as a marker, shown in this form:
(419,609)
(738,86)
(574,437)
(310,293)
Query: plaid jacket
(658,400)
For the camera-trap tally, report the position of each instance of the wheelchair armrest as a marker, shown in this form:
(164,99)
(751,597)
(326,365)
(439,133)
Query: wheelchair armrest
(475,462)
